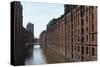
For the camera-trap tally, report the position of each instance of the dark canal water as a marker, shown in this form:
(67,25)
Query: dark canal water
(41,55)
(36,57)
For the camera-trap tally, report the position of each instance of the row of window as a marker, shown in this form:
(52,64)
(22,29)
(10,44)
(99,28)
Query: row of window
(82,20)
(82,38)
(87,50)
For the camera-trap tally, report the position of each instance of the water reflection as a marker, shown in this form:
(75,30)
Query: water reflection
(37,57)
(53,57)
(42,55)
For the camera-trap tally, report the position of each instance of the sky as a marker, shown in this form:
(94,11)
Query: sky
(40,14)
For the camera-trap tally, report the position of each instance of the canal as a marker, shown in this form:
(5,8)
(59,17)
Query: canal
(41,55)
(36,56)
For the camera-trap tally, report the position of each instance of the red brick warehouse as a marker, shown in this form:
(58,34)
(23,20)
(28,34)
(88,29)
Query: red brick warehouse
(73,36)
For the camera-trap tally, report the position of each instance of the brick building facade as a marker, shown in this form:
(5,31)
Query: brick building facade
(73,36)
(19,35)
(42,38)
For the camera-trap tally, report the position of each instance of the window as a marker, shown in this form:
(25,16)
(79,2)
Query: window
(78,48)
(82,50)
(87,37)
(78,39)
(78,57)
(82,11)
(82,58)
(72,18)
(92,22)
(86,9)
(92,37)
(74,47)
(82,22)
(86,50)
(93,52)
(82,31)
(78,31)
(92,27)
(86,18)
(89,10)
(86,14)
(82,39)
(92,8)
(92,17)
(86,28)
(72,55)
(72,32)
(78,21)
(72,26)
(78,18)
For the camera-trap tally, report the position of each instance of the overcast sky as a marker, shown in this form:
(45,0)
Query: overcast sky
(40,14)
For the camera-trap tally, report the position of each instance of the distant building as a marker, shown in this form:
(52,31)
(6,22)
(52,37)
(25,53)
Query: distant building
(30,27)
(35,39)
(43,41)
(42,38)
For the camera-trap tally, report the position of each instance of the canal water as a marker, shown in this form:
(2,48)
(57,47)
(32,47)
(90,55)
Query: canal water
(41,55)
(36,56)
